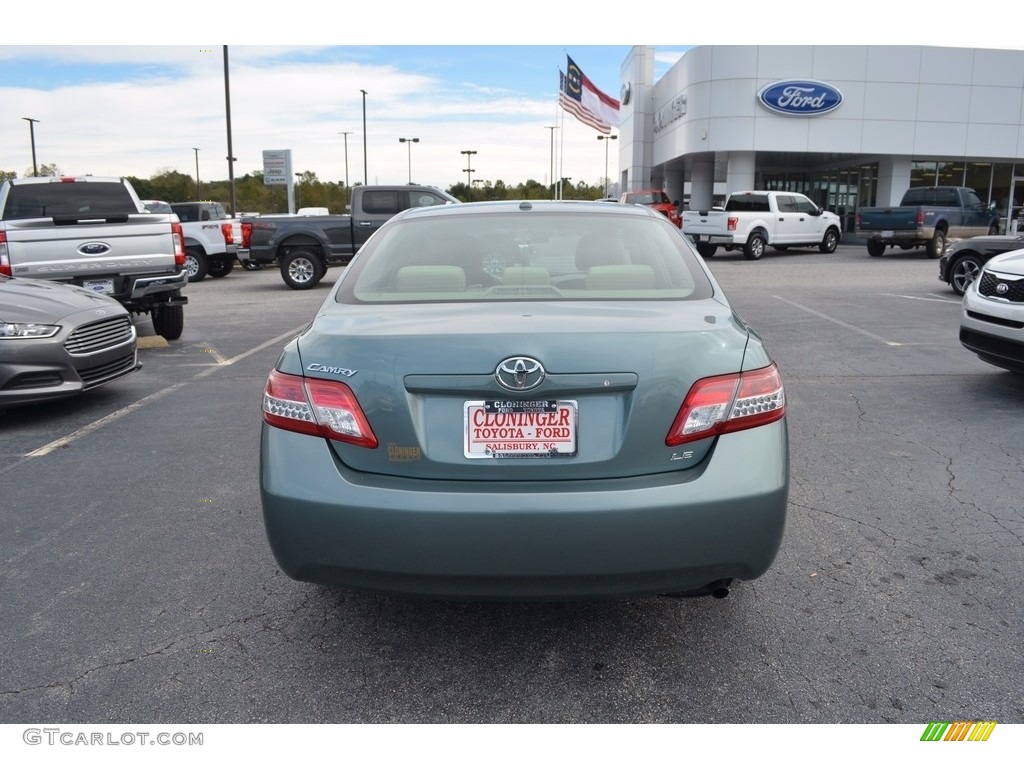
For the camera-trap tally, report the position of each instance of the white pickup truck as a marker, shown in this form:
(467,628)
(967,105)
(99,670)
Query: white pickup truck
(91,231)
(755,220)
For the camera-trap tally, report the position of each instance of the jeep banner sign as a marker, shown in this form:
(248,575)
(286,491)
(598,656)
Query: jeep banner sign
(277,166)
(806,98)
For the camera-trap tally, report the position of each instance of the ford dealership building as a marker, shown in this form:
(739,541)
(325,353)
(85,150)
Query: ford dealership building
(848,126)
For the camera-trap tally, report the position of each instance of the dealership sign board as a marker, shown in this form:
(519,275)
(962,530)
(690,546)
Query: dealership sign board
(277,166)
(802,98)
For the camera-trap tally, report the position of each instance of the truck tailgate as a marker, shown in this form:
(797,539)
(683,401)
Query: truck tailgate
(706,223)
(40,248)
(895,219)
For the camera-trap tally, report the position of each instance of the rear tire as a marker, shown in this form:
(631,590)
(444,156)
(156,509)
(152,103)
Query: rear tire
(706,250)
(168,320)
(876,247)
(195,264)
(220,267)
(936,245)
(302,269)
(754,249)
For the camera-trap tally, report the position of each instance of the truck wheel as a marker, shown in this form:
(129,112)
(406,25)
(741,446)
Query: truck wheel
(706,250)
(168,320)
(936,245)
(220,267)
(830,242)
(302,269)
(754,249)
(962,272)
(195,264)
(876,247)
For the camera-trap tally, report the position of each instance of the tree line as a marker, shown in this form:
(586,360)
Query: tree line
(252,195)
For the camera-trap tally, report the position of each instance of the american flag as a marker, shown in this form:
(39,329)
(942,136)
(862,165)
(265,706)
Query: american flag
(581,98)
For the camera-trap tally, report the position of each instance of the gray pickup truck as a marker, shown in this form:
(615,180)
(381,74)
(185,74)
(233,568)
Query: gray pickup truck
(927,216)
(89,231)
(305,246)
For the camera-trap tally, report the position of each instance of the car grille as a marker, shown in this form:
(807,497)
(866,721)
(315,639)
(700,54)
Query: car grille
(101,373)
(99,336)
(989,281)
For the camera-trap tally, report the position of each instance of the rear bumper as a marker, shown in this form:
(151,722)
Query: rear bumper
(142,287)
(670,532)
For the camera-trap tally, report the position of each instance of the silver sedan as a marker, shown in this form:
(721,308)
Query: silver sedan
(58,340)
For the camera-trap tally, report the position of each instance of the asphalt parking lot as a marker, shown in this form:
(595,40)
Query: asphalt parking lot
(139,587)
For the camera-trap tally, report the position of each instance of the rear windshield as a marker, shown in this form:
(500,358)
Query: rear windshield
(190,212)
(646,198)
(754,203)
(67,198)
(536,256)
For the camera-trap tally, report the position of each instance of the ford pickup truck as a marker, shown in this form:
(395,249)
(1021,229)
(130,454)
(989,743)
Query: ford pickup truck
(927,216)
(305,246)
(756,219)
(92,231)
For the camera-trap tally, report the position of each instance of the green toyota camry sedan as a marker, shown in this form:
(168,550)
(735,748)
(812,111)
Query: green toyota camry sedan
(526,400)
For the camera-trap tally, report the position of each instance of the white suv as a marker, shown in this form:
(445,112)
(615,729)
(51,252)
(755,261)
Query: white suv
(992,321)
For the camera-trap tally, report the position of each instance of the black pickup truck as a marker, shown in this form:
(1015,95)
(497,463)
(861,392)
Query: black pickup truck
(305,246)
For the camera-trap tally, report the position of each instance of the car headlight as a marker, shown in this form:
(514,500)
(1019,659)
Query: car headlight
(27,330)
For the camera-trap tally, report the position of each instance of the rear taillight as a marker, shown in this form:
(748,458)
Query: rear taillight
(729,403)
(734,222)
(920,216)
(229,236)
(316,407)
(246,233)
(5,259)
(178,237)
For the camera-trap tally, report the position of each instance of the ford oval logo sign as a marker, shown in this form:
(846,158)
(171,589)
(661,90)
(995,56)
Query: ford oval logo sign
(93,249)
(800,97)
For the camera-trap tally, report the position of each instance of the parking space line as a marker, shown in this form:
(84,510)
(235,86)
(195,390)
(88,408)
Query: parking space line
(838,322)
(62,442)
(921,298)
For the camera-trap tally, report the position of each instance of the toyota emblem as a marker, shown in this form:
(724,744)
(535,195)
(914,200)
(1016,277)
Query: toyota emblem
(519,374)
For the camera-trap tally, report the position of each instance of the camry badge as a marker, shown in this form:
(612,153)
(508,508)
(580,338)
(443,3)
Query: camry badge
(519,374)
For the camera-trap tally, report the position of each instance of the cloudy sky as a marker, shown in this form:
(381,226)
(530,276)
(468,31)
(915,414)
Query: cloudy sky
(137,110)
(113,96)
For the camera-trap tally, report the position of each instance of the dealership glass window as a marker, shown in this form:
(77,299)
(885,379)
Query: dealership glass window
(1002,183)
(950,174)
(978,176)
(923,173)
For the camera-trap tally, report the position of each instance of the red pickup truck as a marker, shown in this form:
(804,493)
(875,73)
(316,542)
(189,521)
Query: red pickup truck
(656,199)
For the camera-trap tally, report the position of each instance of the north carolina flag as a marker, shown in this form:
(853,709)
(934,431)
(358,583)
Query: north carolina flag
(580,97)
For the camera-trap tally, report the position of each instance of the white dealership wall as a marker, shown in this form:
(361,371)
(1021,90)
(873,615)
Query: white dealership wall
(900,103)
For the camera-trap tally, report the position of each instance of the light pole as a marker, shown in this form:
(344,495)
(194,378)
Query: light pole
(32,135)
(410,142)
(298,199)
(608,138)
(345,134)
(366,175)
(469,172)
(196,150)
(551,176)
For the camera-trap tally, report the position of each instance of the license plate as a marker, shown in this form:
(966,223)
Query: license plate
(100,286)
(516,429)
(887,233)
